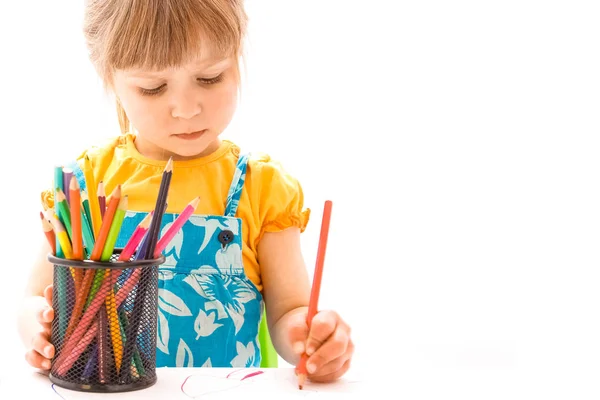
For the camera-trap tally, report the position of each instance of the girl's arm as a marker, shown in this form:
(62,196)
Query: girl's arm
(286,290)
(286,286)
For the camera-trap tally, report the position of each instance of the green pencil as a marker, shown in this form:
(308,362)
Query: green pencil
(62,273)
(88,235)
(85,202)
(115,228)
(109,246)
(64,213)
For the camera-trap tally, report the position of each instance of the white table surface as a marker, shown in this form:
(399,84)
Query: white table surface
(189,383)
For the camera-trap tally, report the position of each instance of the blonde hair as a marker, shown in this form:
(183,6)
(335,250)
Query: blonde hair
(158,34)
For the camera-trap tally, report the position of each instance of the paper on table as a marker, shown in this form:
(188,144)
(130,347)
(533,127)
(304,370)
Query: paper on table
(194,383)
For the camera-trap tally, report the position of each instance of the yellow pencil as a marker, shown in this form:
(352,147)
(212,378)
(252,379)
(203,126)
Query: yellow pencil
(90,183)
(61,234)
(115,329)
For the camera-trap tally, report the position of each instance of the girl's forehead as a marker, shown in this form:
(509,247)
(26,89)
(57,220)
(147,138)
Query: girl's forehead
(193,64)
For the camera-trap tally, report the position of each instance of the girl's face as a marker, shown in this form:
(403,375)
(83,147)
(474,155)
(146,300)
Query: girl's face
(179,112)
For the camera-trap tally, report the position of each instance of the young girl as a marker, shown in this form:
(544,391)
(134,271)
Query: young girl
(173,66)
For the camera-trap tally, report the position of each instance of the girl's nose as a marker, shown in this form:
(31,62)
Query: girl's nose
(186,107)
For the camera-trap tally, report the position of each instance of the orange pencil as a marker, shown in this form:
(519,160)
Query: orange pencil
(115,198)
(88,277)
(316,287)
(49,232)
(76,229)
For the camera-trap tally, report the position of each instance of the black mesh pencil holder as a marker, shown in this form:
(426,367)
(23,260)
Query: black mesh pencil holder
(104,329)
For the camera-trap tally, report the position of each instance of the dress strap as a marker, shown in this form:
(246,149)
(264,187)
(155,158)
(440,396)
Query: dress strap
(237,184)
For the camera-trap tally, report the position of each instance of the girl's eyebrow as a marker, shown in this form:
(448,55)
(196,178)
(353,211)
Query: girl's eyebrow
(196,67)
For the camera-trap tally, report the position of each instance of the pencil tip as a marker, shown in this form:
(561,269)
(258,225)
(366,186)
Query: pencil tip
(169,166)
(195,202)
(301,379)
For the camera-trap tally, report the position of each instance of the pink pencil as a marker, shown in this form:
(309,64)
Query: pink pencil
(176,226)
(135,238)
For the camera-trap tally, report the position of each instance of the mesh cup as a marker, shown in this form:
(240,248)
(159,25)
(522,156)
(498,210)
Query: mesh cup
(104,329)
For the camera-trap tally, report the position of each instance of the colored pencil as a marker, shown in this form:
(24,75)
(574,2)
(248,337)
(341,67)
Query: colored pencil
(78,343)
(76,223)
(91,186)
(64,213)
(90,366)
(96,255)
(67,175)
(58,184)
(137,360)
(61,234)
(48,232)
(176,226)
(85,203)
(159,208)
(101,198)
(115,329)
(115,228)
(87,234)
(140,299)
(102,344)
(135,239)
(77,327)
(316,286)
(115,198)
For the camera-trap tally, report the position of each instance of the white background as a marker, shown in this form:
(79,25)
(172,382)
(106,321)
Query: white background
(459,142)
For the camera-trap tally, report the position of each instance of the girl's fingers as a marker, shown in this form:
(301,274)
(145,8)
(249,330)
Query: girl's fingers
(338,346)
(45,316)
(323,325)
(332,370)
(41,344)
(36,360)
(297,333)
(48,294)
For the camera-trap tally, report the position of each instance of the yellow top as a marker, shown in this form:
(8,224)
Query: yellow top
(271,200)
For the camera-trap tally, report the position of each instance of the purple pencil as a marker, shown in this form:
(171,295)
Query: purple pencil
(67,175)
(101,198)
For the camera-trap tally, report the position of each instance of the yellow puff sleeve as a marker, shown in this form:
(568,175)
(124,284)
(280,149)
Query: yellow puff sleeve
(281,203)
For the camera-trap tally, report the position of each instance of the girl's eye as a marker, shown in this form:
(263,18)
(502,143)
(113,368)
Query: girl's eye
(211,81)
(152,92)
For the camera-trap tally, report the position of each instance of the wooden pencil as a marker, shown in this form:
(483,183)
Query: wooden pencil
(115,329)
(176,226)
(103,350)
(64,213)
(48,232)
(92,187)
(114,230)
(87,234)
(58,184)
(101,198)
(115,198)
(316,287)
(67,175)
(99,245)
(140,299)
(159,208)
(61,234)
(85,203)
(76,223)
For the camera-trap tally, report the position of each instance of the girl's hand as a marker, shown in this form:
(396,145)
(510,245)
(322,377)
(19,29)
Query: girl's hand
(328,344)
(42,350)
